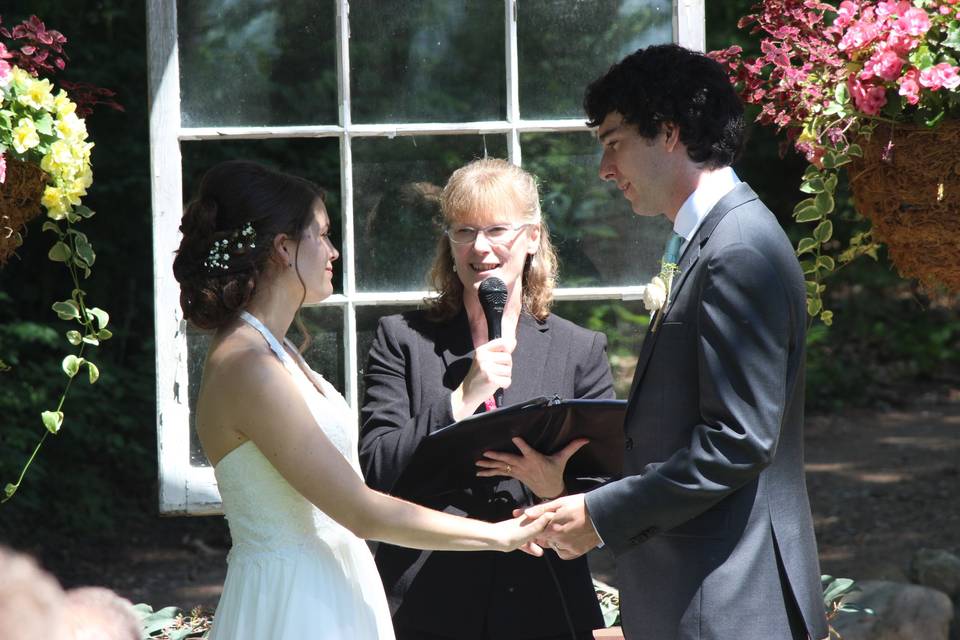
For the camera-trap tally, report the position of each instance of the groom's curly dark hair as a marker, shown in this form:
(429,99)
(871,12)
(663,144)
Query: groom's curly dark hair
(668,83)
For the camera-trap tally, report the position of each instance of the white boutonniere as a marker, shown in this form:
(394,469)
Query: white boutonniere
(656,295)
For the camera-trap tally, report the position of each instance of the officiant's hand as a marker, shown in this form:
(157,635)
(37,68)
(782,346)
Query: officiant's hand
(542,474)
(571,533)
(492,369)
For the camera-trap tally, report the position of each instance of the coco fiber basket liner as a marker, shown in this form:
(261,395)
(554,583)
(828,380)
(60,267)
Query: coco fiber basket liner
(19,203)
(908,185)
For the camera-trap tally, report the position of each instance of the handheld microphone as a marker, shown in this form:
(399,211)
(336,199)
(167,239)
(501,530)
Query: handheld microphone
(493,297)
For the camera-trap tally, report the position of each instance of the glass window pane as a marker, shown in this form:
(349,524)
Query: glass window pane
(427,60)
(563,46)
(257,62)
(197,344)
(368,317)
(599,240)
(325,351)
(317,160)
(397,183)
(624,324)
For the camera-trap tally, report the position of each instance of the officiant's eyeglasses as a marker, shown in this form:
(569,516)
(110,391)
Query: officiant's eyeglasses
(495,233)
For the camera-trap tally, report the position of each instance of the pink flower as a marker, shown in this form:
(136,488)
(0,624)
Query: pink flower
(913,22)
(910,85)
(869,99)
(930,78)
(858,36)
(883,64)
(949,76)
(4,65)
(901,42)
(3,166)
(885,9)
(845,14)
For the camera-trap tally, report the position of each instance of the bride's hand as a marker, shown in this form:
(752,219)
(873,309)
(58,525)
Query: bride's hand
(519,533)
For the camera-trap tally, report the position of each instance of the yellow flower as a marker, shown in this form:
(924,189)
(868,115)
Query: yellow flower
(25,135)
(70,127)
(60,159)
(56,205)
(38,95)
(63,105)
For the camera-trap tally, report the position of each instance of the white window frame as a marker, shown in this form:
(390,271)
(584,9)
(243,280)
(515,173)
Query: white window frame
(186,489)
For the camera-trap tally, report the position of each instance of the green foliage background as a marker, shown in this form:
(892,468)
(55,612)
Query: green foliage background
(101,469)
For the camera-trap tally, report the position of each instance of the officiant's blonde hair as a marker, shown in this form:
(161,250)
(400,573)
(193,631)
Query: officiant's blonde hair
(493,185)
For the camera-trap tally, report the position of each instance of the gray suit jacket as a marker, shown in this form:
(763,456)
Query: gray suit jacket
(711,524)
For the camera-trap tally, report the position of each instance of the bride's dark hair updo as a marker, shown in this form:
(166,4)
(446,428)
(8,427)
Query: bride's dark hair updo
(217,281)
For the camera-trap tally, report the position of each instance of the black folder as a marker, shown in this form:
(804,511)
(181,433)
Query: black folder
(445,460)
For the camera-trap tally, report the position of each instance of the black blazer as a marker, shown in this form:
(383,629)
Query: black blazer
(711,524)
(414,366)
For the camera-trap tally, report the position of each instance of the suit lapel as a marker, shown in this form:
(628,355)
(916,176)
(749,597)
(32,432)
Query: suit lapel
(739,195)
(530,356)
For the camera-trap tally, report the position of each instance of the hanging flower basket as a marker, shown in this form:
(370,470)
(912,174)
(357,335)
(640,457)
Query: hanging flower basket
(20,195)
(908,184)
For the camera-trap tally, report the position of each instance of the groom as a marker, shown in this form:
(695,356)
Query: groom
(711,525)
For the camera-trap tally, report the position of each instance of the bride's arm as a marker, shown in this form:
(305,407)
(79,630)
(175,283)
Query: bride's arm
(259,399)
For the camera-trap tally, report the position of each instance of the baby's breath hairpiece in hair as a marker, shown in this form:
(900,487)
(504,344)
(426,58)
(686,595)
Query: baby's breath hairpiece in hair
(219,255)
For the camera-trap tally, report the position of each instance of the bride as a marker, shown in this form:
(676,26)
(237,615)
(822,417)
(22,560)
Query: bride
(282,440)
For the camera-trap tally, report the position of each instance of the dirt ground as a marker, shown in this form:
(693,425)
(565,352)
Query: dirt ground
(883,483)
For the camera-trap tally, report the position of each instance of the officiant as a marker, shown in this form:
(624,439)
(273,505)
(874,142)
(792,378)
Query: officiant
(429,368)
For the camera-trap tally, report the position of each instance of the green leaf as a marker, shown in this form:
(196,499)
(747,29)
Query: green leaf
(824,203)
(45,124)
(811,173)
(50,225)
(84,250)
(826,262)
(809,214)
(814,305)
(827,317)
(816,185)
(808,266)
(94,340)
(855,151)
(805,245)
(93,371)
(829,160)
(104,334)
(71,365)
(52,420)
(837,589)
(811,287)
(59,252)
(842,94)
(823,232)
(830,184)
(83,212)
(74,337)
(10,489)
(67,310)
(102,316)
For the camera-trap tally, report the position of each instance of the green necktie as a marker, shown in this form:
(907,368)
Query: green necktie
(672,252)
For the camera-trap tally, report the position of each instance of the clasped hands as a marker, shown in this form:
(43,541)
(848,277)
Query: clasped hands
(570,532)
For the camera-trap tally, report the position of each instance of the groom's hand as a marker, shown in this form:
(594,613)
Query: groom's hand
(571,533)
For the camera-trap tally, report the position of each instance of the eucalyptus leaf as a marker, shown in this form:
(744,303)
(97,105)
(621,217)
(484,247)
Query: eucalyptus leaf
(52,420)
(59,252)
(824,203)
(71,365)
(92,371)
(74,337)
(823,232)
(67,310)
(104,334)
(805,245)
(810,214)
(102,316)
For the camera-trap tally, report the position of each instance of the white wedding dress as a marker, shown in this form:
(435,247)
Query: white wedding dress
(293,572)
